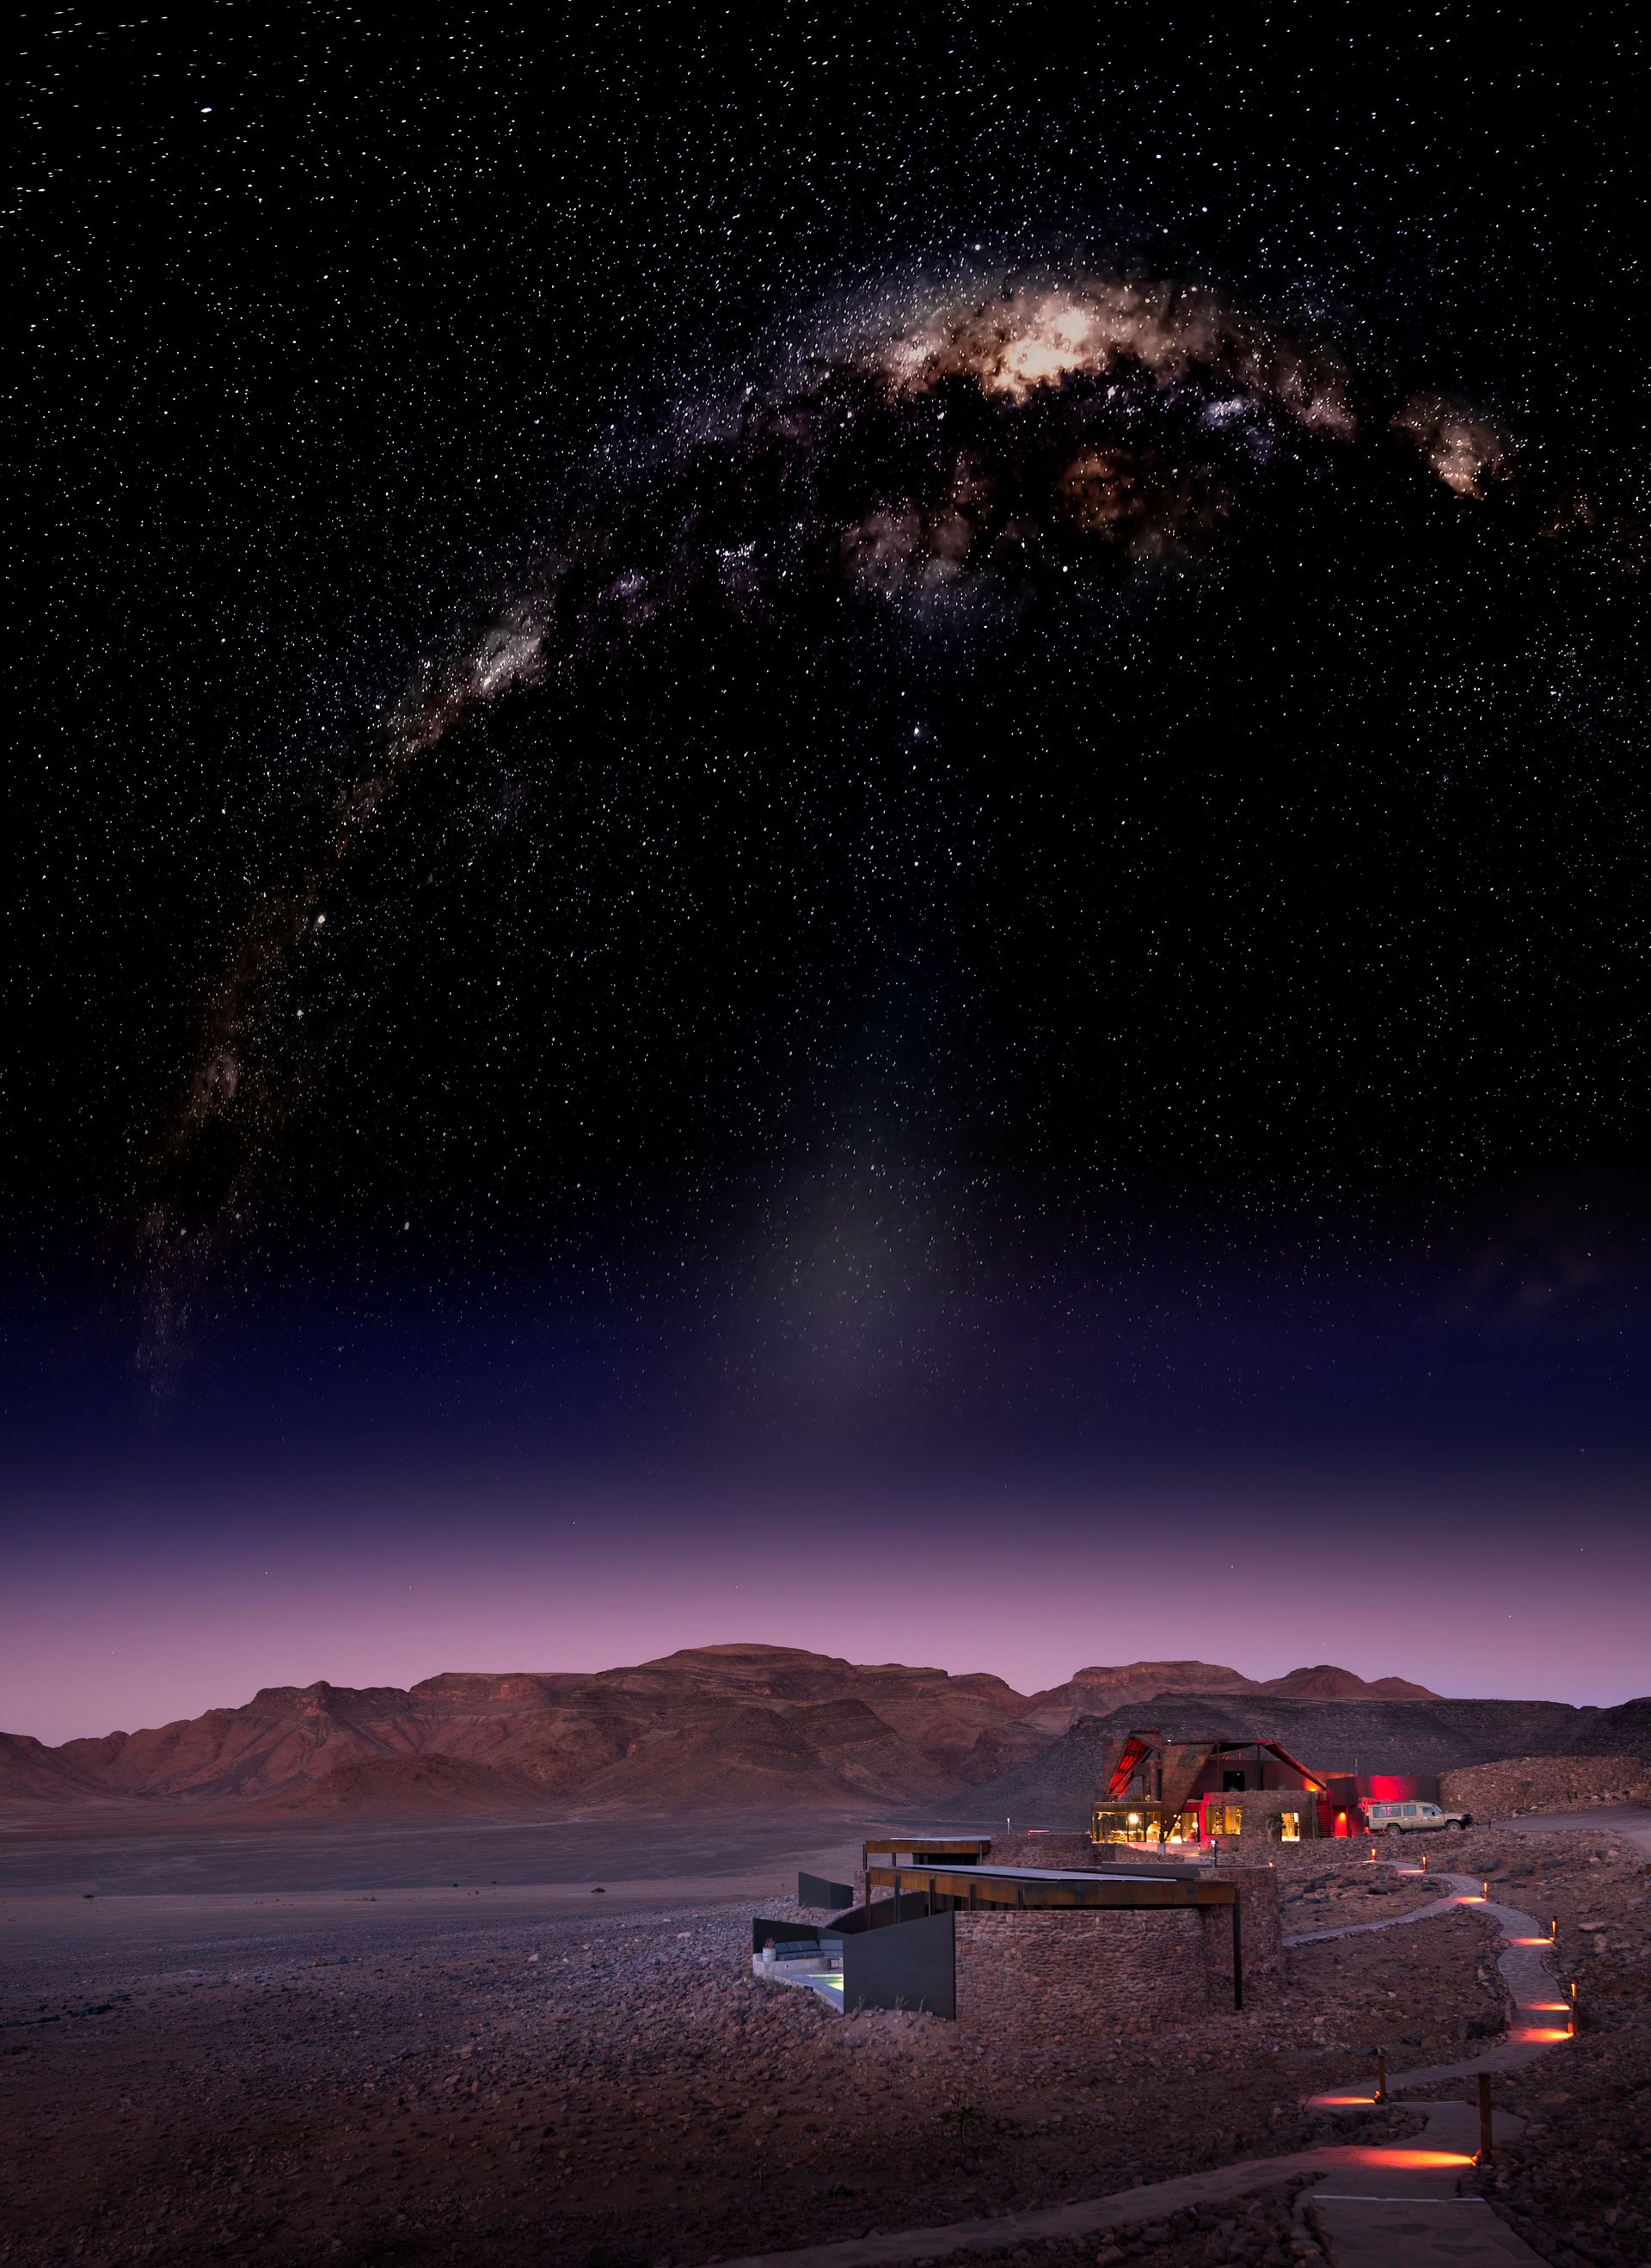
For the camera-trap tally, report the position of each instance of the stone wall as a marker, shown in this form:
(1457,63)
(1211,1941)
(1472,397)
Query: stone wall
(1544,1784)
(1260,1929)
(1059,1974)
(1066,1853)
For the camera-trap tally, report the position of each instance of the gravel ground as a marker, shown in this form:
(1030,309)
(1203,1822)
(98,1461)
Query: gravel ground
(1318,1892)
(1256,2232)
(1578,2185)
(614,2090)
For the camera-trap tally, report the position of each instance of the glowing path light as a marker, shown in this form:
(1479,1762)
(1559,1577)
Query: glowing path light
(1413,2161)
(1379,2222)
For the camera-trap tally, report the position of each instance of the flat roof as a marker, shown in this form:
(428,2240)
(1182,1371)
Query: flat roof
(952,1842)
(1006,1886)
(1057,1874)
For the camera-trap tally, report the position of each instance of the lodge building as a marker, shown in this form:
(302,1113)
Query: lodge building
(1028,1950)
(1165,1910)
(1165,1793)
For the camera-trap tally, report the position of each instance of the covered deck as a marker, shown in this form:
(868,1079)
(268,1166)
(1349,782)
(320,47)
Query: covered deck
(1028,1888)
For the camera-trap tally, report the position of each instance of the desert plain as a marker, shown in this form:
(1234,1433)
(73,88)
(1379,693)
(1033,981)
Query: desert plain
(521,2070)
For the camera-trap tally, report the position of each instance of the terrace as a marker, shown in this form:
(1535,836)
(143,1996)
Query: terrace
(814,1964)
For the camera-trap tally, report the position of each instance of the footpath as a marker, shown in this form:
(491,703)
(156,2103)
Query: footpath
(1374,2205)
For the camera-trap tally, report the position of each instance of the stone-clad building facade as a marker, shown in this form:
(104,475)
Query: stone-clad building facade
(1055,1975)
(1025,1946)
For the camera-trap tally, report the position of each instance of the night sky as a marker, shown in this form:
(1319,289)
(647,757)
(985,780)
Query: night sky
(831,829)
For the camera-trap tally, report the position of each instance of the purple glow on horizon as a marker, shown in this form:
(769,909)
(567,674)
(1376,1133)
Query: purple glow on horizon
(164,1619)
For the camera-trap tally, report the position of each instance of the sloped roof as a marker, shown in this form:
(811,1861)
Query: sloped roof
(1185,1759)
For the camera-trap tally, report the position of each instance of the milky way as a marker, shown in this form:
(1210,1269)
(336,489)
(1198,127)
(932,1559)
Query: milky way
(971,456)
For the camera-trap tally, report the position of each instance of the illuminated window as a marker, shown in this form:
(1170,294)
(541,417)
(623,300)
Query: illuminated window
(1112,1825)
(1289,1826)
(1232,1819)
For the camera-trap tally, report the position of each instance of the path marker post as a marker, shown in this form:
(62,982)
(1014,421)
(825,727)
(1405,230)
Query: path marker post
(1381,2074)
(1484,2157)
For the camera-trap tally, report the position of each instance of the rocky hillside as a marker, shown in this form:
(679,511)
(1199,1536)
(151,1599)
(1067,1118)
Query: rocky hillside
(1502,1790)
(1325,1683)
(1097,1692)
(714,1726)
(760,1726)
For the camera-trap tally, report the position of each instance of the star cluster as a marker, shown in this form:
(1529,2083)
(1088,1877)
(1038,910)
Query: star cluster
(819,677)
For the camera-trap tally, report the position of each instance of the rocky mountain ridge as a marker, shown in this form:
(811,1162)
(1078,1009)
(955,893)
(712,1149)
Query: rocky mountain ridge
(1094,1692)
(721,1726)
(728,1724)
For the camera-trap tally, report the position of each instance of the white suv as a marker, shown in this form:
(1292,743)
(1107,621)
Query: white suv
(1406,1818)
